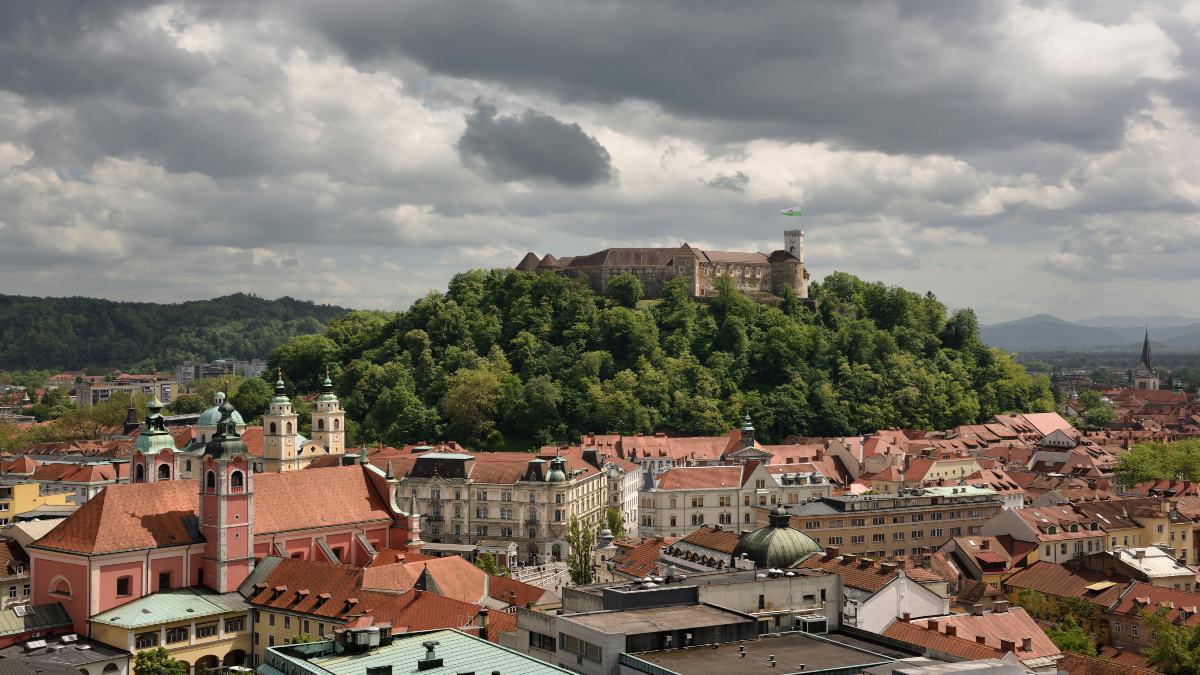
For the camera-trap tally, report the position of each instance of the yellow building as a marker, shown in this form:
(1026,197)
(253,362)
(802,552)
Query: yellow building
(23,497)
(1140,522)
(203,629)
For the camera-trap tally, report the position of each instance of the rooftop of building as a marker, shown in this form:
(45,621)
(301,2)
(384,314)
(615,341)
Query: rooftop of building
(657,619)
(30,618)
(67,651)
(793,653)
(177,604)
(458,652)
(1153,561)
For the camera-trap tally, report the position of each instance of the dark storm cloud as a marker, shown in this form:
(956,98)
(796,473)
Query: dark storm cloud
(534,146)
(735,182)
(919,79)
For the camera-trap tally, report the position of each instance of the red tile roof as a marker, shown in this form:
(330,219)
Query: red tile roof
(865,574)
(700,477)
(975,632)
(1145,597)
(638,560)
(1071,582)
(513,592)
(298,586)
(418,610)
(714,539)
(135,516)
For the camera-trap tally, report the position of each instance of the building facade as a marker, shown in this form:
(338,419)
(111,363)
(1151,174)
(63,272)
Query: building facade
(771,273)
(89,393)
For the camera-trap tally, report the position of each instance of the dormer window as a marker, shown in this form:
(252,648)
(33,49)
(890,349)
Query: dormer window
(1074,527)
(1052,530)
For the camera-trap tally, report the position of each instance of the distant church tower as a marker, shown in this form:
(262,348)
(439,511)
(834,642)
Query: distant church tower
(1144,376)
(226,508)
(328,420)
(279,432)
(793,242)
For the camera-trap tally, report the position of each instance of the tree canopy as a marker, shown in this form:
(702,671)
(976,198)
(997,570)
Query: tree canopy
(70,333)
(1156,461)
(515,358)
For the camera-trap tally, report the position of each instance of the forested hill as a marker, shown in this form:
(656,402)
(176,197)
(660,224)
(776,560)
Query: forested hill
(68,333)
(513,358)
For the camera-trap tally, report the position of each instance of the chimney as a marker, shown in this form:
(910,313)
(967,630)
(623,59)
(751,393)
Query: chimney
(1026,644)
(430,661)
(951,630)
(1140,553)
(379,670)
(932,624)
(849,558)
(831,552)
(1008,646)
(483,623)
(906,617)
(977,609)
(1000,607)
(888,567)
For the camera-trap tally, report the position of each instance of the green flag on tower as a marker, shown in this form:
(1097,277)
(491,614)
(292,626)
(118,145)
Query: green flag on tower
(794,211)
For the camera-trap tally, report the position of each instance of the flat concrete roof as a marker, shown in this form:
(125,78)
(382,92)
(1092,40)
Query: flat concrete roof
(656,619)
(793,652)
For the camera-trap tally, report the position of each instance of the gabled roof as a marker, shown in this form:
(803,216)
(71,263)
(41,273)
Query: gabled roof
(419,610)
(1144,597)
(865,574)
(638,559)
(713,539)
(1056,580)
(971,633)
(136,516)
(700,477)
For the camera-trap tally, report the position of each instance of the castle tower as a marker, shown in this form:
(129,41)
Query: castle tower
(226,511)
(793,242)
(328,420)
(1144,376)
(154,448)
(279,432)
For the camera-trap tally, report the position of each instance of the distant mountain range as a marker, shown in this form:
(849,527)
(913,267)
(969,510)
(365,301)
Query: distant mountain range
(1043,332)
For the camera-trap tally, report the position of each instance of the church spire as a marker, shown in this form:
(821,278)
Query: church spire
(1146,362)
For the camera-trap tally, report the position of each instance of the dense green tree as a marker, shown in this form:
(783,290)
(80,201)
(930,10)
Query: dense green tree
(1154,461)
(625,290)
(581,541)
(1069,636)
(614,521)
(507,357)
(487,562)
(251,398)
(1175,649)
(1089,398)
(70,333)
(188,403)
(157,662)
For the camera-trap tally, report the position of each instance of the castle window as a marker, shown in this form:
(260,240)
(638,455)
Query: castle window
(164,472)
(210,481)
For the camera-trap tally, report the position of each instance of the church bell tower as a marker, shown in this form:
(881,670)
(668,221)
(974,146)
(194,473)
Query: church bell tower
(226,511)
(329,421)
(279,431)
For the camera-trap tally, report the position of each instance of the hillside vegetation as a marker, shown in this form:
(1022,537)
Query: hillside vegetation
(507,358)
(69,333)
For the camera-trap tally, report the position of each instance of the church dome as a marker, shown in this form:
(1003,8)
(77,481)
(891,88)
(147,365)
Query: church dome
(211,416)
(776,545)
(558,473)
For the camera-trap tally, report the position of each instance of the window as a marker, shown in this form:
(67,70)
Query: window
(760,484)
(558,499)
(936,515)
(210,482)
(206,630)
(145,640)
(812,524)
(896,520)
(164,472)
(857,539)
(235,624)
(955,531)
(287,622)
(858,522)
(270,640)
(540,641)
(835,541)
(1116,628)
(12,591)
(270,619)
(481,530)
(481,495)
(878,536)
(918,534)
(256,638)
(918,517)
(124,585)
(273,429)
(1133,630)
(935,532)
(506,496)
(177,635)
(897,536)
(672,521)
(25,587)
(237,481)
(1063,548)
(558,515)
(164,580)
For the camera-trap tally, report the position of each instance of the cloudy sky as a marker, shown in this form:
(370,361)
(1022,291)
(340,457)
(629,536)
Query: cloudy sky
(1016,157)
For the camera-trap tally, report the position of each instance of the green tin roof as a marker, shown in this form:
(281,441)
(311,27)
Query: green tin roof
(776,545)
(180,604)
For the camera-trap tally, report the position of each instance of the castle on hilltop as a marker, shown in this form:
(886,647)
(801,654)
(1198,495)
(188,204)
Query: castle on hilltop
(754,273)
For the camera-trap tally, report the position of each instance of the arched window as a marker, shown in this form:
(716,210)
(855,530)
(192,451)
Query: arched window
(60,586)
(111,668)
(210,481)
(288,429)
(187,466)
(272,427)
(321,425)
(337,424)
(139,474)
(164,472)
(236,480)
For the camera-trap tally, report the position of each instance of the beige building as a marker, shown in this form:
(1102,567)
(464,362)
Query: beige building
(90,393)
(684,498)
(884,525)
(468,498)
(284,449)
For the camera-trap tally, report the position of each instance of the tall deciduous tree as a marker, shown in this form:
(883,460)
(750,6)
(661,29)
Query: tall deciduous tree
(581,541)
(157,662)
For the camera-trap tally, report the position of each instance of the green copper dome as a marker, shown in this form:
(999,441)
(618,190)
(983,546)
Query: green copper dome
(776,545)
(211,416)
(327,389)
(558,472)
(154,436)
(227,442)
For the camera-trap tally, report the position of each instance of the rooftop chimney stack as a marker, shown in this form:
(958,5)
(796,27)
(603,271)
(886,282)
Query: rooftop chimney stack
(430,661)
(1026,644)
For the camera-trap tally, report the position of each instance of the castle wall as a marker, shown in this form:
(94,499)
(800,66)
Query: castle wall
(749,277)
